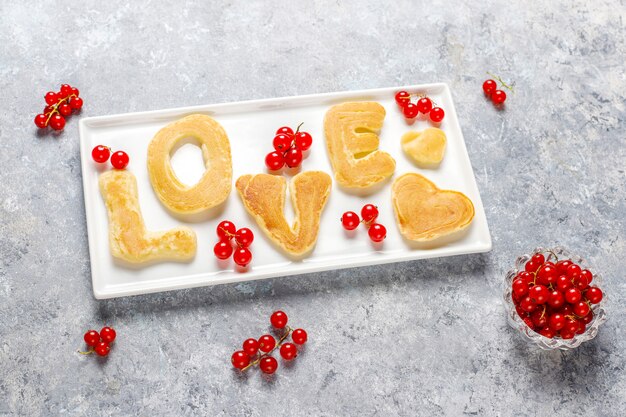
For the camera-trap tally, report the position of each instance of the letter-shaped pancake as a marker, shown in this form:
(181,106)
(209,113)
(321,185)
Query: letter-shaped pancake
(352,142)
(263,195)
(216,182)
(426,148)
(424,212)
(128,238)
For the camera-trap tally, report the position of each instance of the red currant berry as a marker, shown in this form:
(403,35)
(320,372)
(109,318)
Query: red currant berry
(520,287)
(424,105)
(92,338)
(410,111)
(539,318)
(556,321)
(293,157)
(240,359)
(539,293)
(242,257)
(538,258)
(107,334)
(251,347)
(573,270)
(119,160)
(57,122)
(288,351)
(75,91)
(102,349)
(65,90)
(436,114)
(556,299)
(403,98)
(299,336)
(303,141)
(588,318)
(562,266)
(279,319)
(267,343)
(100,154)
(76,103)
(571,326)
(274,161)
(581,281)
(225,230)
(567,335)
(547,332)
(563,283)
(282,142)
(566,310)
(350,220)
(529,322)
(41,120)
(489,87)
(244,237)
(573,295)
(581,309)
(223,249)
(594,295)
(498,97)
(285,130)
(65,109)
(547,274)
(369,213)
(377,232)
(520,311)
(268,365)
(528,304)
(51,97)
(582,327)
(531,266)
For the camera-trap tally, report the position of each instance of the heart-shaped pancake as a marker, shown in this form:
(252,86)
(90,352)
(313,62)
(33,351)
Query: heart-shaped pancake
(426,148)
(424,212)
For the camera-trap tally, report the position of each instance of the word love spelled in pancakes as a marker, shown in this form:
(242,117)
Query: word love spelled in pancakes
(263,195)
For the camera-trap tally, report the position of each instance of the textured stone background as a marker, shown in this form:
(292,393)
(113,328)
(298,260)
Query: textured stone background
(419,338)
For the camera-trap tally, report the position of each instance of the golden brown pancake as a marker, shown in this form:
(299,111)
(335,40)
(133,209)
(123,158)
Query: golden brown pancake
(426,148)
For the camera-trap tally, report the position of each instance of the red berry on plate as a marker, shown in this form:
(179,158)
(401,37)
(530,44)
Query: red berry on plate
(288,351)
(594,295)
(41,120)
(377,232)
(572,271)
(539,294)
(299,336)
(538,258)
(268,365)
(274,161)
(107,334)
(242,257)
(528,304)
(76,103)
(244,237)
(51,97)
(350,220)
(573,295)
(547,332)
(563,283)
(57,122)
(520,287)
(303,141)
(556,321)
(92,338)
(282,142)
(267,343)
(498,97)
(369,213)
(293,157)
(556,299)
(424,105)
(65,109)
(403,98)
(489,87)
(251,347)
(285,130)
(119,160)
(223,249)
(102,348)
(225,230)
(436,114)
(410,111)
(581,309)
(279,319)
(240,359)
(65,90)
(100,154)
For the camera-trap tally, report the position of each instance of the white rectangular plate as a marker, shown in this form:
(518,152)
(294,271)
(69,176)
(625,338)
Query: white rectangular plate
(250,126)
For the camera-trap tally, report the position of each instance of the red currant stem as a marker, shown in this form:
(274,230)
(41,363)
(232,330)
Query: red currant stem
(56,106)
(421,95)
(227,233)
(278,344)
(552,253)
(510,87)
(298,129)
(89,352)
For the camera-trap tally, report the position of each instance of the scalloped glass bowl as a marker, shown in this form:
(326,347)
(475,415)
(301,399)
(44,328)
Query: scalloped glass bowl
(530,335)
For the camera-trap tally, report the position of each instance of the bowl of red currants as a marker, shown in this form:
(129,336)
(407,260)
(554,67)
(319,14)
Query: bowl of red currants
(554,299)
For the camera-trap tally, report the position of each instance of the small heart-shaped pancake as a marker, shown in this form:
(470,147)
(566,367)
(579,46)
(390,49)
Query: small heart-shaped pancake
(424,212)
(426,148)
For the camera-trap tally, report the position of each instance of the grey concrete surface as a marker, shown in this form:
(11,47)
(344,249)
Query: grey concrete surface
(419,338)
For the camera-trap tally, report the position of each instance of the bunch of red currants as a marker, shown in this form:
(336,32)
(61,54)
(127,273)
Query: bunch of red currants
(100,343)
(235,242)
(59,105)
(424,105)
(289,148)
(369,213)
(101,154)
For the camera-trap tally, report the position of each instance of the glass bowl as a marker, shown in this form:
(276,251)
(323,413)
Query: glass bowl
(515,321)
